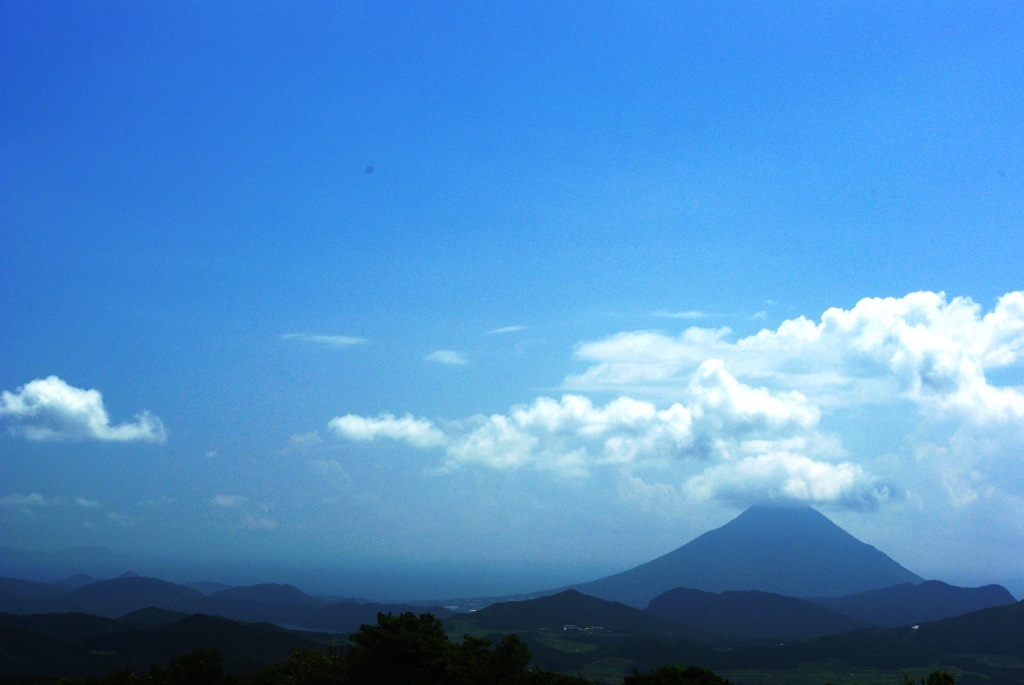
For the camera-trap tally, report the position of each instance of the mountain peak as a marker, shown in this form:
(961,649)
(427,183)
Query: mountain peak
(795,551)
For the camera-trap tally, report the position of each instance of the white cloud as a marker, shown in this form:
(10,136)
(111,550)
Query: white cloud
(302,442)
(772,416)
(507,329)
(416,432)
(571,436)
(228,501)
(120,520)
(50,409)
(789,477)
(332,341)
(24,505)
(730,405)
(332,471)
(161,501)
(449,357)
(87,503)
(259,523)
(686,315)
(921,348)
(18,500)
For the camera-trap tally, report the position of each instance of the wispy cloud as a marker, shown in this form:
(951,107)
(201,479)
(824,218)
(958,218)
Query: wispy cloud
(332,471)
(507,329)
(25,505)
(259,523)
(50,409)
(687,315)
(228,501)
(331,341)
(449,357)
(17,500)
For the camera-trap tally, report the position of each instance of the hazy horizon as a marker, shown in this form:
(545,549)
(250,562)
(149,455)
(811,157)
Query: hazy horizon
(509,291)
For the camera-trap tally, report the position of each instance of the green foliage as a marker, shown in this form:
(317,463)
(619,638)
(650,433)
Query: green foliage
(414,650)
(934,678)
(675,675)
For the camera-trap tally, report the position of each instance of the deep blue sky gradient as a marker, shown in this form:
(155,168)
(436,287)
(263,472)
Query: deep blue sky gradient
(182,184)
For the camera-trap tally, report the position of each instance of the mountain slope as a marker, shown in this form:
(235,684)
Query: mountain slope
(788,551)
(907,604)
(750,614)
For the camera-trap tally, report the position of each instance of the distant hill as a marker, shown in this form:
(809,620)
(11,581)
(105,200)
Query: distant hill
(569,607)
(245,647)
(989,641)
(30,588)
(907,604)
(19,596)
(283,605)
(267,592)
(998,630)
(796,552)
(208,587)
(55,645)
(120,596)
(750,614)
(76,581)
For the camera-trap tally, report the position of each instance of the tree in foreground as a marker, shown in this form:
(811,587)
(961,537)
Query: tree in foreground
(675,675)
(934,678)
(414,650)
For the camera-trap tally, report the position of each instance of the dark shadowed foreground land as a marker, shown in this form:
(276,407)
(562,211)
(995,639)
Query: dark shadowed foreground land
(569,634)
(398,650)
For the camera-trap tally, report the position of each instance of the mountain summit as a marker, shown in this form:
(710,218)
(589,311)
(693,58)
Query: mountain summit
(789,551)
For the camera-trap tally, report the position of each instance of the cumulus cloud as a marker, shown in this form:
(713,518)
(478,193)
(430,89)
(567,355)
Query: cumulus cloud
(416,432)
(449,357)
(741,420)
(788,477)
(50,409)
(332,341)
(923,348)
(572,435)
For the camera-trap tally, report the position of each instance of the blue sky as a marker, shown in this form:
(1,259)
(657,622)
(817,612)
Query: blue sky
(413,298)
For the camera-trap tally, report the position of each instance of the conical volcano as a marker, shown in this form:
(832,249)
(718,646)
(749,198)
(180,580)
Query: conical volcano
(789,551)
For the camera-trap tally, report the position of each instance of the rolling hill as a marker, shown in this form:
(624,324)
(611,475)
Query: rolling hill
(907,604)
(749,614)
